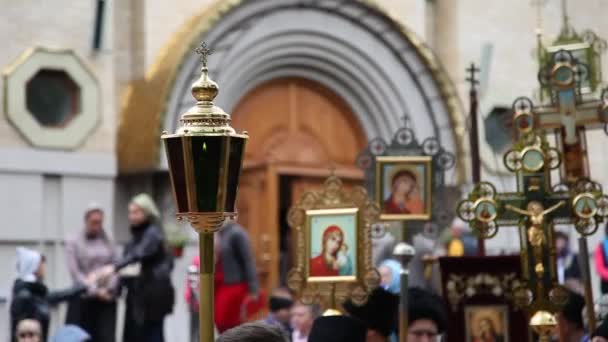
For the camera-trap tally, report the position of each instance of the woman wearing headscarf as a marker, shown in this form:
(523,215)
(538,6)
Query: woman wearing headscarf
(31,298)
(150,294)
(390,279)
(89,250)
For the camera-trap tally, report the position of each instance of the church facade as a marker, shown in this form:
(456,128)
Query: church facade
(88,88)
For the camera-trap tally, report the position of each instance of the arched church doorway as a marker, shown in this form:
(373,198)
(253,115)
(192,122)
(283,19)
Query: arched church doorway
(299,129)
(376,66)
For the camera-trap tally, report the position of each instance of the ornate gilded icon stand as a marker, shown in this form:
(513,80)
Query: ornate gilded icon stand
(330,291)
(483,287)
(406,144)
(574,169)
(535,208)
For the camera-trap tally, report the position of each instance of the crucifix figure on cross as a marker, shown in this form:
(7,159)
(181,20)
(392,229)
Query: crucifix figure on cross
(534,208)
(536,217)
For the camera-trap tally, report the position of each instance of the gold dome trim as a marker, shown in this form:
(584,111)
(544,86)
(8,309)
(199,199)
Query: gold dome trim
(144,101)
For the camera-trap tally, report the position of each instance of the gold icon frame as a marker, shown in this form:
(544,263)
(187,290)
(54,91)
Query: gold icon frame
(333,199)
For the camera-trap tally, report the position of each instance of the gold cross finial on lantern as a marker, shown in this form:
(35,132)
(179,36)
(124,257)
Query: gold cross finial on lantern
(205,89)
(205,52)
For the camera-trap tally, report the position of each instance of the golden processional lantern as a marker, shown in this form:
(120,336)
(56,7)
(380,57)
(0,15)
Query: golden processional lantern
(205,156)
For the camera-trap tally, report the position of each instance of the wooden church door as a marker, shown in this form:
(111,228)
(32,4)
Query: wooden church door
(299,130)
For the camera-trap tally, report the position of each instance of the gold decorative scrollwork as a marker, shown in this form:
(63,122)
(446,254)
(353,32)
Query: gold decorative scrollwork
(460,287)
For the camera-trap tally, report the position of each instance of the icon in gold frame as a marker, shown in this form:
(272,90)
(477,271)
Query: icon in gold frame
(404,187)
(332,240)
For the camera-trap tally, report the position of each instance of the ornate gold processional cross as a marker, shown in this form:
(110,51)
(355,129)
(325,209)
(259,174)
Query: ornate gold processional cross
(570,77)
(565,78)
(535,208)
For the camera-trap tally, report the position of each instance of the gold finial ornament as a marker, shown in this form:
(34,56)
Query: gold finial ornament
(205,156)
(205,116)
(543,323)
(332,312)
(204,89)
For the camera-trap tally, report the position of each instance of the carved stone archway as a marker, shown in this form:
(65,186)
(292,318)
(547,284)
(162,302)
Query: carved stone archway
(381,70)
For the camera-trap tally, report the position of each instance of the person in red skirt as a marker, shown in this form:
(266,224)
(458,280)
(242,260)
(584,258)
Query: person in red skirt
(237,294)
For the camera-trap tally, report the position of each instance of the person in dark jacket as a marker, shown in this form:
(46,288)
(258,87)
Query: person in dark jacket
(568,268)
(31,298)
(601,333)
(379,314)
(337,329)
(150,294)
(236,282)
(426,315)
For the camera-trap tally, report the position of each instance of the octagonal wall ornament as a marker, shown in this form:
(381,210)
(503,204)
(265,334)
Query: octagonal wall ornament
(52,98)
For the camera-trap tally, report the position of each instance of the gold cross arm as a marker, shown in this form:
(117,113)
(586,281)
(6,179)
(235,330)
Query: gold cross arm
(584,114)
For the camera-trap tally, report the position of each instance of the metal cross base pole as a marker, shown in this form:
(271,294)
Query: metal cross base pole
(404,254)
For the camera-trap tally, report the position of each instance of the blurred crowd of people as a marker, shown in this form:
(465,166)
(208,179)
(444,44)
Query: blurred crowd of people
(374,321)
(142,274)
(99,277)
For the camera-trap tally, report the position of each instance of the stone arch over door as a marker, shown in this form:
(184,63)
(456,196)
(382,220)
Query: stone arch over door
(380,69)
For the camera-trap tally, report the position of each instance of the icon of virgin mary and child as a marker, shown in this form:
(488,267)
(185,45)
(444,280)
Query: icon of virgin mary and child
(334,259)
(405,196)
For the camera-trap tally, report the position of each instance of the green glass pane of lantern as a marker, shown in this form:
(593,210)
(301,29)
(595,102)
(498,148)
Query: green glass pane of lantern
(235,160)
(208,165)
(177,166)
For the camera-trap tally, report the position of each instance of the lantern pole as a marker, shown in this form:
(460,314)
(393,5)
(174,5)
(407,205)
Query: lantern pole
(205,156)
(206,290)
